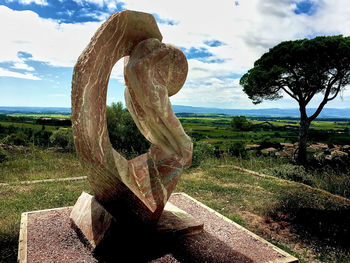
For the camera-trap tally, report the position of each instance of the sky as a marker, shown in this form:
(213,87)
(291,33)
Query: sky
(40,41)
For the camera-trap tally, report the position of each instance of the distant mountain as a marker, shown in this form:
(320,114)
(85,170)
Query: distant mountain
(35,110)
(273,112)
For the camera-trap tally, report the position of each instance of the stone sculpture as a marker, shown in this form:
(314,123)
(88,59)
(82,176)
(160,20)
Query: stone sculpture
(153,71)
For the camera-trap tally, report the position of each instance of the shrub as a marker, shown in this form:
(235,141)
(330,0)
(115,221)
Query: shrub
(63,138)
(201,151)
(3,155)
(315,215)
(240,123)
(18,138)
(123,132)
(268,143)
(237,149)
(291,172)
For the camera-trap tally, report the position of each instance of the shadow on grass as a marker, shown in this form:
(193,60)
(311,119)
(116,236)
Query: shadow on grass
(316,218)
(8,247)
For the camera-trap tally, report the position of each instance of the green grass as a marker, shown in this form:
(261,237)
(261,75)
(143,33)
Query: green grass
(28,125)
(34,164)
(215,129)
(245,199)
(14,200)
(56,116)
(241,197)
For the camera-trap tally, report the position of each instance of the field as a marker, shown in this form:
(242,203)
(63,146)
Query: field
(57,116)
(276,209)
(215,129)
(308,222)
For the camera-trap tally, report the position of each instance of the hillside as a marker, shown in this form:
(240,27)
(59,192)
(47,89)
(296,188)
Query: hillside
(272,112)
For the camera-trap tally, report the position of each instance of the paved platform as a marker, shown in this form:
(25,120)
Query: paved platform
(46,236)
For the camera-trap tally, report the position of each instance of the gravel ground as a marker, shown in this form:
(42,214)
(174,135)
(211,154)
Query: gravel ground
(51,239)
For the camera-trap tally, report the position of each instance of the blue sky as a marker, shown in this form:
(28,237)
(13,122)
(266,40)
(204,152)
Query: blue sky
(42,39)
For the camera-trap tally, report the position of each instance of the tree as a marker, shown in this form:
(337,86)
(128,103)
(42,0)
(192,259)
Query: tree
(301,69)
(123,132)
(240,123)
(63,138)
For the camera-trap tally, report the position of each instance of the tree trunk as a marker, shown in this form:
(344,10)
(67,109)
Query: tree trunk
(303,134)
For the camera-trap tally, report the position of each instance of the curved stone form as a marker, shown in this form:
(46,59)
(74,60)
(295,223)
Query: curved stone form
(153,73)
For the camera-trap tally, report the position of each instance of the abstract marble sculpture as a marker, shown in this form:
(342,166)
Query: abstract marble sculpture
(153,71)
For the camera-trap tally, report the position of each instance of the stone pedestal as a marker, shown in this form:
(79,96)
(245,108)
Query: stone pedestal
(93,223)
(47,236)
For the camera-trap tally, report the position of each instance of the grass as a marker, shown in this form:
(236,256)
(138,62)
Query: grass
(251,201)
(34,164)
(335,180)
(56,116)
(216,130)
(17,199)
(285,213)
(28,125)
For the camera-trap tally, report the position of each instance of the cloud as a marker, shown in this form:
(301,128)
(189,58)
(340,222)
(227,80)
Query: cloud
(227,36)
(110,4)
(247,30)
(8,73)
(22,66)
(37,2)
(44,39)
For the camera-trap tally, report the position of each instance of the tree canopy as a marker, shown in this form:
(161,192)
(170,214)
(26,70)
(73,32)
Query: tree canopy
(123,132)
(301,69)
(240,123)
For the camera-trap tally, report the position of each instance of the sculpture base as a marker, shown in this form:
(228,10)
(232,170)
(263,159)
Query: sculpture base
(94,224)
(46,236)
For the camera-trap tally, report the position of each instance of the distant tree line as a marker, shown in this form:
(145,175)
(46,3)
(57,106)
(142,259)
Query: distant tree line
(124,135)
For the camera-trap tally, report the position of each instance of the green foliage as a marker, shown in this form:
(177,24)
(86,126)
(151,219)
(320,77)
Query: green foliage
(63,138)
(306,67)
(123,132)
(202,151)
(291,172)
(302,69)
(268,142)
(18,138)
(240,123)
(315,215)
(237,149)
(3,155)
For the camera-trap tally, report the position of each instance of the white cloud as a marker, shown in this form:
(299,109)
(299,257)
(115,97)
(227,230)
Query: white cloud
(110,4)
(37,2)
(23,66)
(46,40)
(247,30)
(7,73)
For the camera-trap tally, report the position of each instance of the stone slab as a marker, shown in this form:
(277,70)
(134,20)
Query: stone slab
(92,222)
(221,241)
(90,219)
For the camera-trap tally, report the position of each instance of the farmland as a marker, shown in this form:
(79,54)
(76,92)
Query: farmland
(216,129)
(303,210)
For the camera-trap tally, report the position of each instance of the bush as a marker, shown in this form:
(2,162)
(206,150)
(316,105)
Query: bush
(201,151)
(63,138)
(240,123)
(291,172)
(18,138)
(3,155)
(237,149)
(268,143)
(123,132)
